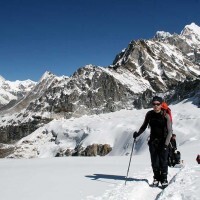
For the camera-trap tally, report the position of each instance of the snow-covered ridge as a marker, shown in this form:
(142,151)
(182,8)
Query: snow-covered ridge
(136,84)
(13,90)
(49,75)
(46,75)
(164,59)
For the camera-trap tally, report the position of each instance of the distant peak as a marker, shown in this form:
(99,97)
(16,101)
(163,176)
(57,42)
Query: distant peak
(162,35)
(89,66)
(191,28)
(46,75)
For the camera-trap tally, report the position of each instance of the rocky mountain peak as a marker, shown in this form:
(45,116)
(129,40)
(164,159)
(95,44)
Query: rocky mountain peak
(165,60)
(46,75)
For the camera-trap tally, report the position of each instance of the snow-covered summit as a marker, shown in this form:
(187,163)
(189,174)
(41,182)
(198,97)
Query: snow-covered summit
(162,35)
(192,33)
(191,28)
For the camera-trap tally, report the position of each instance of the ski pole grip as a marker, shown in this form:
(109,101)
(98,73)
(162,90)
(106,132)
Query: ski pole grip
(135,134)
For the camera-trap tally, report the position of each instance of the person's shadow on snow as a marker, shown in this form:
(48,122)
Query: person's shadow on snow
(99,177)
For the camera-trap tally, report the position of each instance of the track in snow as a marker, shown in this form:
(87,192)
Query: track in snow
(136,188)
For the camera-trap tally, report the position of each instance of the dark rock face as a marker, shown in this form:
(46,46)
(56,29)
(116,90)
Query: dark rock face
(187,90)
(91,150)
(6,150)
(13,133)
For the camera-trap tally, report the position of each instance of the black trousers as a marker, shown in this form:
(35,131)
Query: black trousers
(159,161)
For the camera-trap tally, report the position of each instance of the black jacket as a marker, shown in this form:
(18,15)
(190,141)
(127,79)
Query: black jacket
(160,125)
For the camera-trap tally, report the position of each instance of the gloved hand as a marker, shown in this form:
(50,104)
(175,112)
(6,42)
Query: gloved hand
(165,147)
(135,135)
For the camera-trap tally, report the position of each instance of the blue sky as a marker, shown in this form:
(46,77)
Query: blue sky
(61,36)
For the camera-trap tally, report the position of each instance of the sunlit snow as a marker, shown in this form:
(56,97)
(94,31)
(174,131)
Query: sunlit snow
(102,178)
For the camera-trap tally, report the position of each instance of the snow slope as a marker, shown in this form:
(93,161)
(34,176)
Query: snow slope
(94,178)
(114,129)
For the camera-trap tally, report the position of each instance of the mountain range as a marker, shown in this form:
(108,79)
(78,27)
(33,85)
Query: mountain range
(167,65)
(11,91)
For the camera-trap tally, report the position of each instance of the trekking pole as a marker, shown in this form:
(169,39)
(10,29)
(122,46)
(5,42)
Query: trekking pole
(130,159)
